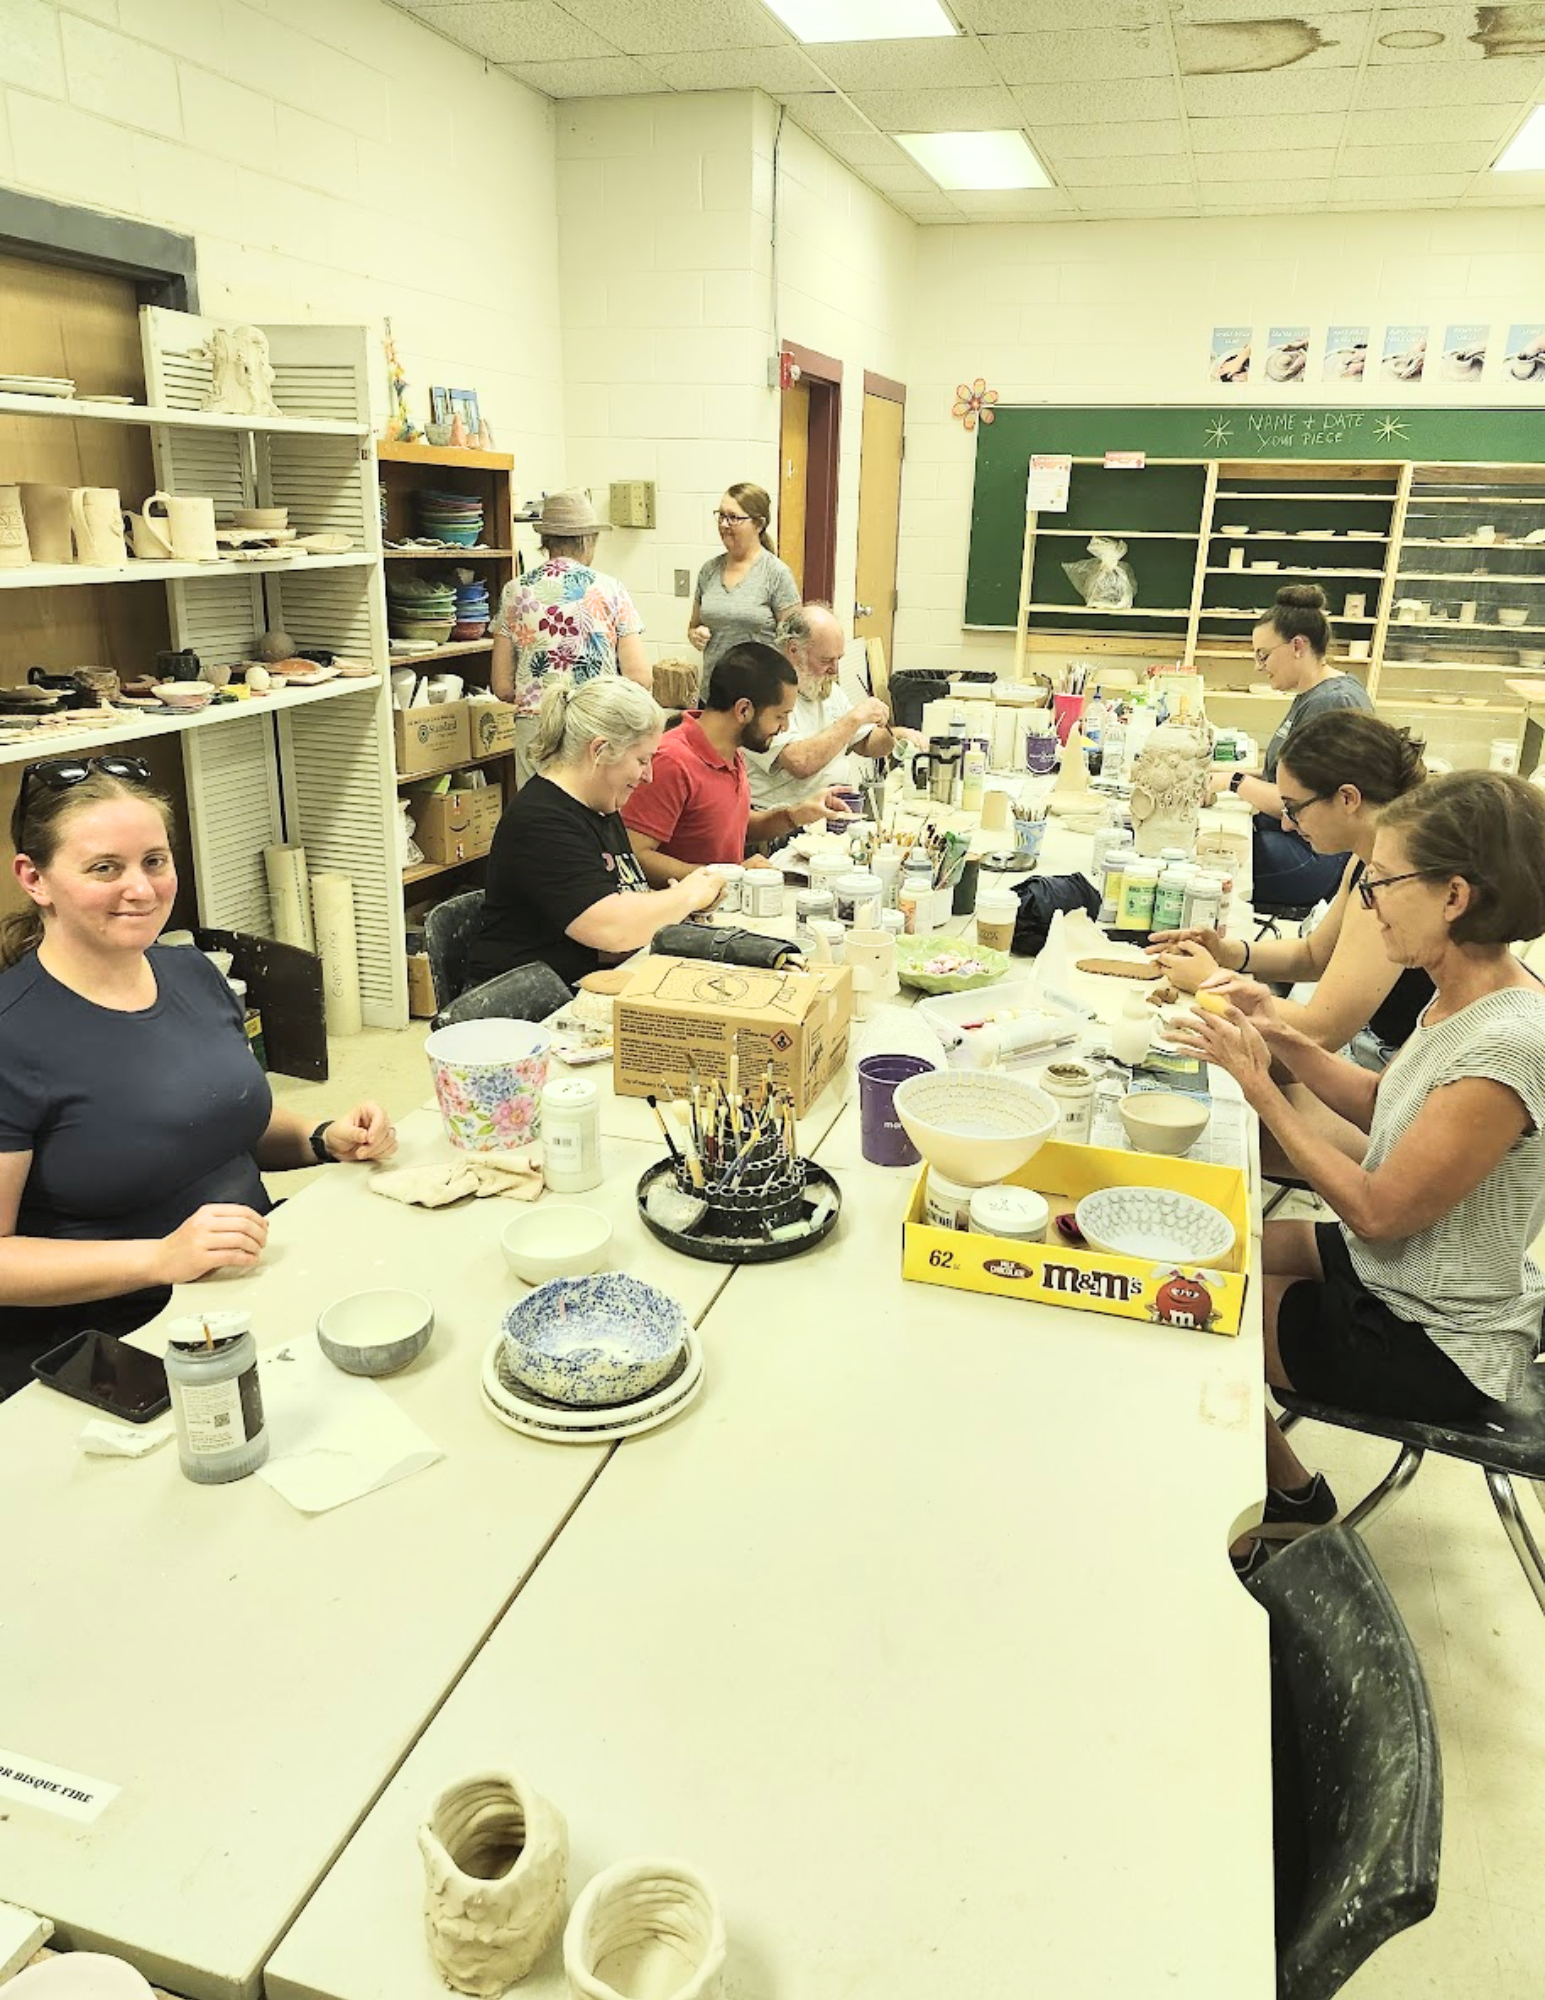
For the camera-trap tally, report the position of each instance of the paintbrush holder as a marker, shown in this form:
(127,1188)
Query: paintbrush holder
(766,1193)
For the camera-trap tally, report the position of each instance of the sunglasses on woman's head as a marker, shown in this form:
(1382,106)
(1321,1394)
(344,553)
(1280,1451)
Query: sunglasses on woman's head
(59,774)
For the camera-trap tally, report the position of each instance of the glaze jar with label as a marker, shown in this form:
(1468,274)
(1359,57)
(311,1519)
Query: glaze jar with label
(946,1203)
(1070,1086)
(571,1135)
(217,1400)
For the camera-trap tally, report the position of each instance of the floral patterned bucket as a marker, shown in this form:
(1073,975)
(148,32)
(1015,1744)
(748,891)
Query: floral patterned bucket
(489,1077)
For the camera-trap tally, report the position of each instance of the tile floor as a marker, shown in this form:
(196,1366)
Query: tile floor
(1450,1569)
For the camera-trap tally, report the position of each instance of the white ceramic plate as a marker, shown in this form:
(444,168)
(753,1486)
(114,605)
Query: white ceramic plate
(36,385)
(1155,1223)
(87,396)
(516,1408)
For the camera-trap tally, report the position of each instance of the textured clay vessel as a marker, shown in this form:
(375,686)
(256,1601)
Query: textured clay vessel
(645,1930)
(496,1859)
(1169,784)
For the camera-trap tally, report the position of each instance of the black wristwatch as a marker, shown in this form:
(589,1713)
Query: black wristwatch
(319,1145)
(1237,780)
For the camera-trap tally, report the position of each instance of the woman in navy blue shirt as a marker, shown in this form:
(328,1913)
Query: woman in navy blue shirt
(134,1120)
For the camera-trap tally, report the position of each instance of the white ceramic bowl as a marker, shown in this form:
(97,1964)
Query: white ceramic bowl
(605,1339)
(1235,528)
(185,694)
(555,1241)
(1512,614)
(1163,1121)
(1156,1224)
(376,1333)
(976,1126)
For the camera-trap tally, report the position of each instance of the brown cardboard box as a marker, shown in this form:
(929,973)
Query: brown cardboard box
(422,1005)
(678,1014)
(456,826)
(431,739)
(492,728)
(676,682)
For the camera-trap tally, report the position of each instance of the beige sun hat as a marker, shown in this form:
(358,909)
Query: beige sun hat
(569,513)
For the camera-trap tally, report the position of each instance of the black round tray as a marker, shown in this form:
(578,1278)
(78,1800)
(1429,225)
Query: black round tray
(712,1249)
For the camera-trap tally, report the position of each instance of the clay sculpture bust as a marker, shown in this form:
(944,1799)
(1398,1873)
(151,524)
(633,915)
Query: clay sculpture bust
(242,376)
(496,1860)
(1169,784)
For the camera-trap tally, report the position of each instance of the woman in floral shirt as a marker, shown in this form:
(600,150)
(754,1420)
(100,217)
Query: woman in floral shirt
(562,618)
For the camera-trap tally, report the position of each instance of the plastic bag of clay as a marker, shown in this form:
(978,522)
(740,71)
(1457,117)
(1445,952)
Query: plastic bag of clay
(1106,583)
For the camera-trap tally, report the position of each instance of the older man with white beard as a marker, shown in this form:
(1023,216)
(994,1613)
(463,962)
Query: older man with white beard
(826,724)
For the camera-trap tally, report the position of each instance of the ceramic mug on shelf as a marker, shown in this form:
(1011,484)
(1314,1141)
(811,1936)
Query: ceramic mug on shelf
(96,515)
(15,551)
(190,523)
(182,665)
(148,539)
(47,511)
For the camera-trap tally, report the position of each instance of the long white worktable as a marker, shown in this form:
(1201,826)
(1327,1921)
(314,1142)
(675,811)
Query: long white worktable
(917,1635)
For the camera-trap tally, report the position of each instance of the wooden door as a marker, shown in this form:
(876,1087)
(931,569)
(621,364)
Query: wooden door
(879,512)
(793,478)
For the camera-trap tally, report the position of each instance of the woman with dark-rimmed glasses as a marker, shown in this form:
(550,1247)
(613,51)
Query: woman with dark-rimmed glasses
(134,1120)
(743,592)
(1423,1300)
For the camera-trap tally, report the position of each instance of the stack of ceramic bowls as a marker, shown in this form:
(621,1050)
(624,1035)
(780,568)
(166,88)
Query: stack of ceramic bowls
(450,517)
(419,610)
(471,606)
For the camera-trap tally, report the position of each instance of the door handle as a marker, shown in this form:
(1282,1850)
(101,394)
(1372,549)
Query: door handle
(863,610)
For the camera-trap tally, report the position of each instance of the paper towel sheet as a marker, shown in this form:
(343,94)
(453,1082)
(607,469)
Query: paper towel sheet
(334,1437)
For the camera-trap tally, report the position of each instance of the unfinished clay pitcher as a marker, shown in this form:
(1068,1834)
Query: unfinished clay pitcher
(645,1930)
(496,1858)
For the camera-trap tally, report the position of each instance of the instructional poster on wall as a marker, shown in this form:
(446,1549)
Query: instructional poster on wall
(1464,352)
(1287,354)
(1523,358)
(1346,353)
(1405,354)
(1047,492)
(1230,359)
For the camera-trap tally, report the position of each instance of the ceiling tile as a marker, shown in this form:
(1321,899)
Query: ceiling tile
(680,27)
(929,207)
(1296,42)
(898,175)
(1435,159)
(1080,55)
(606,76)
(1152,137)
(1263,136)
(1125,170)
(1505,190)
(1051,104)
(1427,35)
(1242,193)
(1012,204)
(912,65)
(1435,86)
(1284,91)
(1287,169)
(1389,189)
(1011,17)
(1190,11)
(779,72)
(1484,124)
(989,110)
(858,148)
(517,30)
(1140,200)
(827,114)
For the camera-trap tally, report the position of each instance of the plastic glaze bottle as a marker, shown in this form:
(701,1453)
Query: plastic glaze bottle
(217,1400)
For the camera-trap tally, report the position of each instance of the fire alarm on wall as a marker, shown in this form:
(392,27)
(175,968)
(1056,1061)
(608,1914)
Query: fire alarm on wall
(788,371)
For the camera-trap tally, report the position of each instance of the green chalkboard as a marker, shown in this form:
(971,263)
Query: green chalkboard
(1160,496)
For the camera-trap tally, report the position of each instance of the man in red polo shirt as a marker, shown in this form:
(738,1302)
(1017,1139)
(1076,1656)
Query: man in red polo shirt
(695,807)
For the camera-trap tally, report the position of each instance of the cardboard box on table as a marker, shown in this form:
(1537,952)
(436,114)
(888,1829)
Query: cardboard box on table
(456,826)
(681,1020)
(430,739)
(1172,1294)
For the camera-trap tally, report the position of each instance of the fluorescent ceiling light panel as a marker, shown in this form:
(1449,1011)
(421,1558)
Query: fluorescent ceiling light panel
(976,159)
(863,20)
(1527,148)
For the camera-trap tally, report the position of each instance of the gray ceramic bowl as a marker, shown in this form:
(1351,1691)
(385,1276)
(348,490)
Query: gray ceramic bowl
(376,1333)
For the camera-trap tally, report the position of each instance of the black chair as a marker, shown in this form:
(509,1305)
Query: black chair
(1269,917)
(1506,1441)
(1357,1777)
(529,993)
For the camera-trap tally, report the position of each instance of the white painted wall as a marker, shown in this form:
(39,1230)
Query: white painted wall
(335,160)
(1123,313)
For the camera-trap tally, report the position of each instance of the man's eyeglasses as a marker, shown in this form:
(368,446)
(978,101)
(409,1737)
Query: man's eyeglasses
(59,774)
(1369,889)
(731,520)
(1292,808)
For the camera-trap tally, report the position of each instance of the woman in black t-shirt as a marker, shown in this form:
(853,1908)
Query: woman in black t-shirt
(563,884)
(133,1118)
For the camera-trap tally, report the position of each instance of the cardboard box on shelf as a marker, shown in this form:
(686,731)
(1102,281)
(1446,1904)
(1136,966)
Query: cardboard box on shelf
(680,1016)
(422,1004)
(430,739)
(456,826)
(1089,1280)
(491,725)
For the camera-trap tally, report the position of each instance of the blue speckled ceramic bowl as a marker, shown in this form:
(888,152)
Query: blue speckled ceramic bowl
(602,1339)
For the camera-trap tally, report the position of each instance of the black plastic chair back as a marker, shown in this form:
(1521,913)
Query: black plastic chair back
(449,930)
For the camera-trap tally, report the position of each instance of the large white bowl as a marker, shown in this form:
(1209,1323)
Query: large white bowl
(1156,1224)
(975,1126)
(604,1339)
(555,1240)
(376,1333)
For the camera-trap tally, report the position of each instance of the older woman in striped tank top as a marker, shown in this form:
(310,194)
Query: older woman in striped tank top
(1423,1300)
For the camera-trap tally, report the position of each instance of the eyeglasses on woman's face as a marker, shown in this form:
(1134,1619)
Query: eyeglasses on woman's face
(1293,809)
(1264,658)
(731,520)
(1370,886)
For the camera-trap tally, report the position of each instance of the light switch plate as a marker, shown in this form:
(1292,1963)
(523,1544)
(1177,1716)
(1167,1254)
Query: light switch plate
(683,583)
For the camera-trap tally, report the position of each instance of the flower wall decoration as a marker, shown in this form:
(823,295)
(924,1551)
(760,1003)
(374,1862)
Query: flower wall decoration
(973,400)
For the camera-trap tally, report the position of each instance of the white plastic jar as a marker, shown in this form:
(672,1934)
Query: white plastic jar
(1020,1214)
(860,898)
(571,1135)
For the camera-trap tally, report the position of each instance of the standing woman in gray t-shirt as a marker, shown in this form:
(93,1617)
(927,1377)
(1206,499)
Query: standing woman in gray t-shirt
(744,592)
(1423,1301)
